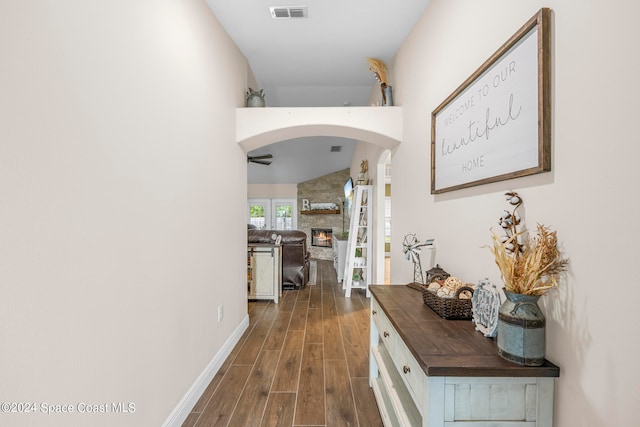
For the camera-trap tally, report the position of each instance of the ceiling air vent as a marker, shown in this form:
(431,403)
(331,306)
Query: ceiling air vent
(288,12)
(336,148)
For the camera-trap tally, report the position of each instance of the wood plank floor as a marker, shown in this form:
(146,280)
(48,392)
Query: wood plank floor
(302,362)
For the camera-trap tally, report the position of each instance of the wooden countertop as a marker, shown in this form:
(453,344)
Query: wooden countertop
(447,347)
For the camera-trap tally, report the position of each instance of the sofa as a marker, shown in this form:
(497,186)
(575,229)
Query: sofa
(295,258)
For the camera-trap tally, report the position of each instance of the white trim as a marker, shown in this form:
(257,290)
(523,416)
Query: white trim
(257,127)
(188,401)
(378,218)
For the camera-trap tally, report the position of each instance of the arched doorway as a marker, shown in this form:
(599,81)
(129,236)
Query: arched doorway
(258,127)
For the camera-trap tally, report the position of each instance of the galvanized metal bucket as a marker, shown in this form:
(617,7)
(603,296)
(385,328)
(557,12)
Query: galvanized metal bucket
(521,330)
(387,96)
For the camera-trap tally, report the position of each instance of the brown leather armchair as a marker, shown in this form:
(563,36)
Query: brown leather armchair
(295,258)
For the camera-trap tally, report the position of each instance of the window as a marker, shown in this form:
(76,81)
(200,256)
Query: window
(273,214)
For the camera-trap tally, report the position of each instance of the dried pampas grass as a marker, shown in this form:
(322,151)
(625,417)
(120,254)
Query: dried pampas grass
(528,265)
(379,69)
(535,269)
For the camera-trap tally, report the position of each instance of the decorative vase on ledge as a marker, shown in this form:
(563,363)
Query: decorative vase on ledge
(521,329)
(255,98)
(387,96)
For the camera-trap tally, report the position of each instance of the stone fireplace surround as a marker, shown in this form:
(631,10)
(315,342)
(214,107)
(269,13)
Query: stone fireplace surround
(325,189)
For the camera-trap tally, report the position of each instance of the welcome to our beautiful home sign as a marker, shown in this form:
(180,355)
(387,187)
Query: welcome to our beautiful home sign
(497,125)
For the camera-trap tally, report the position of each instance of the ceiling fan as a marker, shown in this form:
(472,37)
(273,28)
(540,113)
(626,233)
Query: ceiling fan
(264,159)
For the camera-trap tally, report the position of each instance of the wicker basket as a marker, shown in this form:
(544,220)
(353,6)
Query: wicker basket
(449,308)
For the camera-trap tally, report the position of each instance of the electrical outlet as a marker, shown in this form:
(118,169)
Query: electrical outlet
(220,313)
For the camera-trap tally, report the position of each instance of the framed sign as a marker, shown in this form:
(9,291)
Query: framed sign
(497,124)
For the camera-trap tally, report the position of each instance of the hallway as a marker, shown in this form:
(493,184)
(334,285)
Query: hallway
(302,362)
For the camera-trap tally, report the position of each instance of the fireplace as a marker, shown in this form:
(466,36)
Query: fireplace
(322,237)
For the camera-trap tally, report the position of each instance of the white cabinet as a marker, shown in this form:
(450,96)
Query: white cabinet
(339,256)
(264,272)
(450,378)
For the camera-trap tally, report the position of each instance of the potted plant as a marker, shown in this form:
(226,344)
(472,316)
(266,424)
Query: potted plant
(530,266)
(357,277)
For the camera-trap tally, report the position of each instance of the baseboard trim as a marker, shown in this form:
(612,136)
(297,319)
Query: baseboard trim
(188,401)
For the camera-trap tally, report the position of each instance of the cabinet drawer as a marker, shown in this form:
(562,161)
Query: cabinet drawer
(397,407)
(410,371)
(388,335)
(376,313)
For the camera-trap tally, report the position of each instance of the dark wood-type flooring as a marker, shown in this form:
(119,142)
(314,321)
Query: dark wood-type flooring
(302,362)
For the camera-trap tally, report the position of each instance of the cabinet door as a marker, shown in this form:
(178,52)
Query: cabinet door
(265,269)
(340,255)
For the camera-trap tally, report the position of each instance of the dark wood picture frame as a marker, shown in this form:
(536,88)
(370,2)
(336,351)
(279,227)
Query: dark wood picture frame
(471,143)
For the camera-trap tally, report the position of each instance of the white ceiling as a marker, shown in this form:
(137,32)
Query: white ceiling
(316,61)
(302,159)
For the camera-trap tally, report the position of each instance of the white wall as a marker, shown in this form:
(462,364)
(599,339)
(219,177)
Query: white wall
(272,191)
(589,197)
(116,133)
